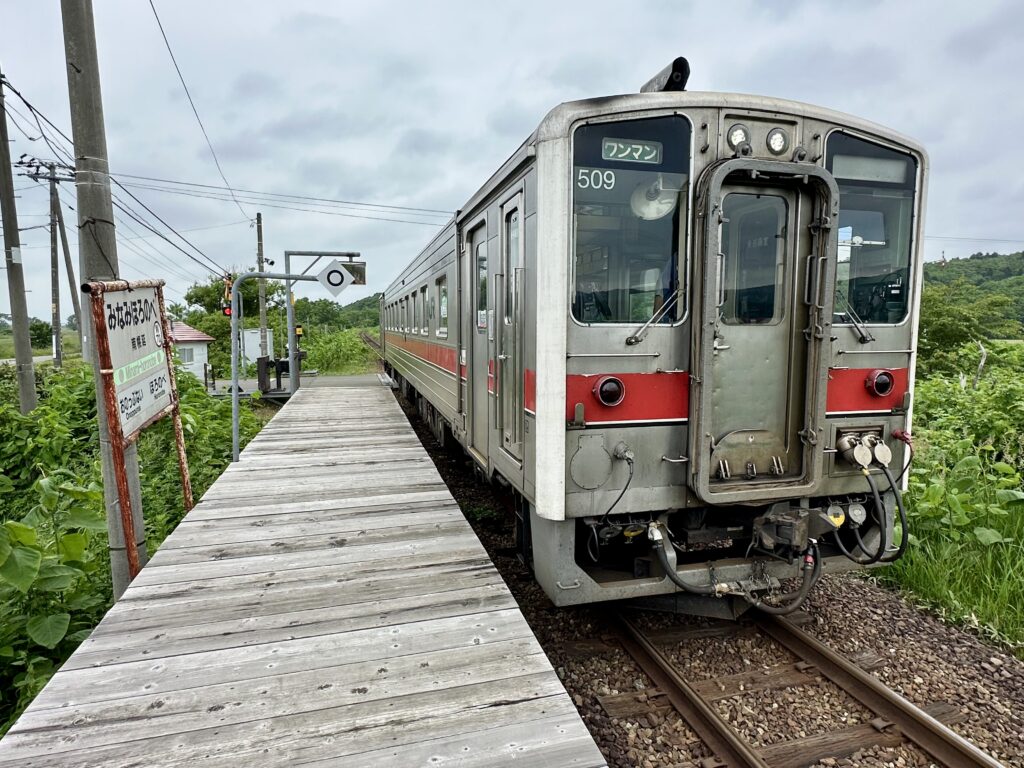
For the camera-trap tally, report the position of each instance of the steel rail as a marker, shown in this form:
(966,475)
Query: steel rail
(939,741)
(716,733)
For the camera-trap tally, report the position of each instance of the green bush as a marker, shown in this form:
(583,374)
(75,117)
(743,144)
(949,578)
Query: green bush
(338,352)
(965,495)
(54,565)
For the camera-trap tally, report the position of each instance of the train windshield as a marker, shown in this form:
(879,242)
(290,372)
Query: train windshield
(629,209)
(876,207)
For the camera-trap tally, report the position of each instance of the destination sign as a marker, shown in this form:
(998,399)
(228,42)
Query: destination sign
(631,150)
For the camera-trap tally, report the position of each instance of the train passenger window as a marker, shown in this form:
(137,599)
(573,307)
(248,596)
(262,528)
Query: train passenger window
(442,306)
(630,192)
(876,208)
(754,253)
(423,311)
(511,261)
(481,286)
(415,314)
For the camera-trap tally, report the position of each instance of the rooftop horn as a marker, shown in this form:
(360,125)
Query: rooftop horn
(671,78)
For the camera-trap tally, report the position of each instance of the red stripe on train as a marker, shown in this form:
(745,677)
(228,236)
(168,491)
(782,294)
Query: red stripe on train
(439,355)
(848,392)
(649,397)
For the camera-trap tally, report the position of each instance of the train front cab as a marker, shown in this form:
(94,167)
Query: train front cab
(708,379)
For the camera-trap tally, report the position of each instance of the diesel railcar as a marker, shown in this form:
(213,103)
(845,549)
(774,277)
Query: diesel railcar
(680,327)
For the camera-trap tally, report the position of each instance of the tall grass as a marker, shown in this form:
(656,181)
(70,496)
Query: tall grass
(966,504)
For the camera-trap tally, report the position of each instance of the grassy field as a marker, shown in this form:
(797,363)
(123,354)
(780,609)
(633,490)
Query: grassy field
(71,345)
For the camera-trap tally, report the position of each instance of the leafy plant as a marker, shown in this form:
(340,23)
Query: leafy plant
(54,565)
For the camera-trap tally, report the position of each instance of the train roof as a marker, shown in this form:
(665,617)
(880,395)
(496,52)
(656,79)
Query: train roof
(559,120)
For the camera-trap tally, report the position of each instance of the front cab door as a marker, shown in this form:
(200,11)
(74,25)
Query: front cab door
(768,258)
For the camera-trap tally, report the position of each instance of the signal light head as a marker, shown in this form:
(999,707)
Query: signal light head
(609,391)
(226,310)
(880,382)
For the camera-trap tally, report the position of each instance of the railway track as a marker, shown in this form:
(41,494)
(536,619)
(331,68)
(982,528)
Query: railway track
(896,719)
(371,342)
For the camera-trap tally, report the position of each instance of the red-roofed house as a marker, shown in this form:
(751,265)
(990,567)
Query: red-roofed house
(191,346)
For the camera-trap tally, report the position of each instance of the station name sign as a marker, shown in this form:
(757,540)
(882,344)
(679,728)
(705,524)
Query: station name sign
(138,357)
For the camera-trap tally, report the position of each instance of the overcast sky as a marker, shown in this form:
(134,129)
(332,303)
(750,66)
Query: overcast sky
(416,103)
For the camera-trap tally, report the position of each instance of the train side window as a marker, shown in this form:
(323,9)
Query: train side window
(481,286)
(876,211)
(424,321)
(415,322)
(754,247)
(442,306)
(511,262)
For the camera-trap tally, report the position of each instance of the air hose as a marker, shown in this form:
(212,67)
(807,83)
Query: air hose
(905,538)
(883,539)
(658,542)
(812,572)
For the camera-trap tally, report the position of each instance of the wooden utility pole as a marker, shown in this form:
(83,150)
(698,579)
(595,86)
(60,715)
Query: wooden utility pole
(262,285)
(15,276)
(55,323)
(97,249)
(69,268)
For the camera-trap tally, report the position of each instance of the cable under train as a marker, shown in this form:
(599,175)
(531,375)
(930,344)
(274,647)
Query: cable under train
(681,328)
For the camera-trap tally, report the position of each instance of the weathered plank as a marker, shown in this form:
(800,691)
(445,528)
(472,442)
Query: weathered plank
(325,603)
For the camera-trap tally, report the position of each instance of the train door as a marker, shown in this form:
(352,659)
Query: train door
(480,372)
(761,372)
(509,364)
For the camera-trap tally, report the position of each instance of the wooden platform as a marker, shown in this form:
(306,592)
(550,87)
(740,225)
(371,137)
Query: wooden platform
(325,604)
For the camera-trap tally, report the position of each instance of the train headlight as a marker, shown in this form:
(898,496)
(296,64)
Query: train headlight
(737,135)
(609,390)
(880,383)
(778,141)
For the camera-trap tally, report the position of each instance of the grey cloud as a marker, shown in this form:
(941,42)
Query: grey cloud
(253,85)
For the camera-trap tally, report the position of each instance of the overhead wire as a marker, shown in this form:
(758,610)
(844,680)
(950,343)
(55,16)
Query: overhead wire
(438,211)
(169,266)
(265,204)
(192,104)
(70,160)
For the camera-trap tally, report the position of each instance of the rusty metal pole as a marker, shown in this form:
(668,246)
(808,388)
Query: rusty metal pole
(102,348)
(179,434)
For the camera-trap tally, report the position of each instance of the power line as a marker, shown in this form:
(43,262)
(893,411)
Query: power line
(286,195)
(972,239)
(193,104)
(266,204)
(37,115)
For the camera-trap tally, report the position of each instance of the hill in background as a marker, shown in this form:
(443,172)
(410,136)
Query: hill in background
(990,273)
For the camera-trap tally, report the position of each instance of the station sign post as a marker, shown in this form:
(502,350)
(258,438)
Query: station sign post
(133,343)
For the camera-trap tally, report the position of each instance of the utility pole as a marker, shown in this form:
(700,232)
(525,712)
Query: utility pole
(58,352)
(262,284)
(15,276)
(97,249)
(70,269)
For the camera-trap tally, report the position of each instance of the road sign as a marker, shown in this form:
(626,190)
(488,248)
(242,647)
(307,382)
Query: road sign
(335,278)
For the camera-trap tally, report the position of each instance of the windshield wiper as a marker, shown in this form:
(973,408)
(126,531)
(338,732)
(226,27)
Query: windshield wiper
(637,336)
(863,334)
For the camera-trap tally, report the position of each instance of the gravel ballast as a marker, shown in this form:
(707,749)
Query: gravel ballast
(924,659)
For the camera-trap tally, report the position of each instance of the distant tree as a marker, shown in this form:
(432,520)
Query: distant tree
(71,323)
(177,311)
(210,295)
(957,314)
(5,322)
(40,333)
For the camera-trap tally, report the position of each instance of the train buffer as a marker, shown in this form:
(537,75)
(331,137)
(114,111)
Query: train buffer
(326,603)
